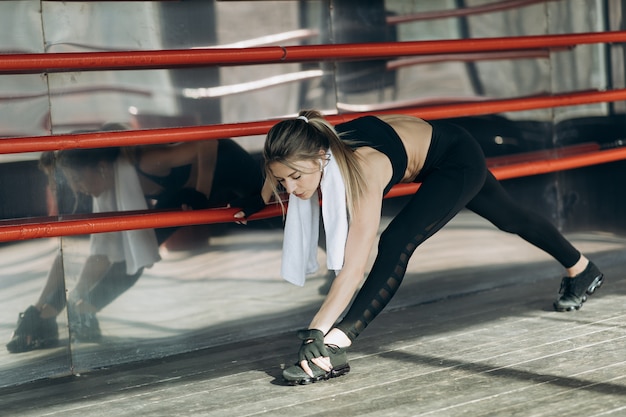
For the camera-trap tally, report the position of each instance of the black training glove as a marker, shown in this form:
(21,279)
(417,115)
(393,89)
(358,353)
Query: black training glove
(312,345)
(249,205)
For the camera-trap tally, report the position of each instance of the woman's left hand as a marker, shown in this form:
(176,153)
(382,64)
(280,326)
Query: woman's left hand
(314,350)
(322,362)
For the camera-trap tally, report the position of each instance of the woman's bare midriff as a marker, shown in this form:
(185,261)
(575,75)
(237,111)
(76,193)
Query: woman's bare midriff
(415,134)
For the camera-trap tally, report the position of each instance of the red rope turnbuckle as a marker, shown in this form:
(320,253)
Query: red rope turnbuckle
(550,161)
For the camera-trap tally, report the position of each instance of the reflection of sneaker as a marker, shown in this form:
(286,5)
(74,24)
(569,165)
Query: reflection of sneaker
(84,327)
(295,374)
(575,290)
(33,332)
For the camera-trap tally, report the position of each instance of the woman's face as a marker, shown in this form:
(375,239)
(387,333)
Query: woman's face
(92,181)
(301,179)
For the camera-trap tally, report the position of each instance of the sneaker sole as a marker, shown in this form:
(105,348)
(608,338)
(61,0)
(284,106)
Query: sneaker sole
(333,373)
(37,345)
(597,283)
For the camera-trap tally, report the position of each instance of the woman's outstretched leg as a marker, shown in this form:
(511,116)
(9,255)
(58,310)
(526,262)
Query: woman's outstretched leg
(583,277)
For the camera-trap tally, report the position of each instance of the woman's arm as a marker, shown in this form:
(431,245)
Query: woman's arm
(207,159)
(266,191)
(361,238)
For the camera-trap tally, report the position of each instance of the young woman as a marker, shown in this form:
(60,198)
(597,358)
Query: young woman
(373,154)
(191,175)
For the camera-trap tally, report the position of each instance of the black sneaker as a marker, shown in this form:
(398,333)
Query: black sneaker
(575,290)
(33,332)
(295,375)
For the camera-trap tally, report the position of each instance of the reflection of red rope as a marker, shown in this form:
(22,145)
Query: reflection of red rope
(34,228)
(497,6)
(571,157)
(182,134)
(470,57)
(135,60)
(75,91)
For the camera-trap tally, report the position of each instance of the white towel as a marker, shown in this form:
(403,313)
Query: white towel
(138,248)
(299,256)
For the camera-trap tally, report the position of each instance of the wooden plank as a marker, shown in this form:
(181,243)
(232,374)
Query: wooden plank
(490,353)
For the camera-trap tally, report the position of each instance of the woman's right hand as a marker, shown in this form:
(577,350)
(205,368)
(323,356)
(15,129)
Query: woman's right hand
(240,215)
(248,205)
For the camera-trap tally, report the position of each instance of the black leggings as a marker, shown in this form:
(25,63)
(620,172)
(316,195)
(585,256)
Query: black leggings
(454,176)
(236,174)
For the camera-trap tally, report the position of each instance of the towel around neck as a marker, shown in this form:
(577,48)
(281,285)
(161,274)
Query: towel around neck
(299,256)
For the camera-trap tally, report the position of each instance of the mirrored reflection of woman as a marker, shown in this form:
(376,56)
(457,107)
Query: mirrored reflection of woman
(364,158)
(190,175)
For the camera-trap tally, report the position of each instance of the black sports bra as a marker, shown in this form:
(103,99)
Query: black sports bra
(373,132)
(175,180)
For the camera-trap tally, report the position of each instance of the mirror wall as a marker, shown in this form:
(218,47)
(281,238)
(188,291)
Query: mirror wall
(193,287)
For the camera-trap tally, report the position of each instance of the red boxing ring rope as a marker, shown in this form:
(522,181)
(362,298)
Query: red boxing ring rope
(98,223)
(183,134)
(99,61)
(9,231)
(462,12)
